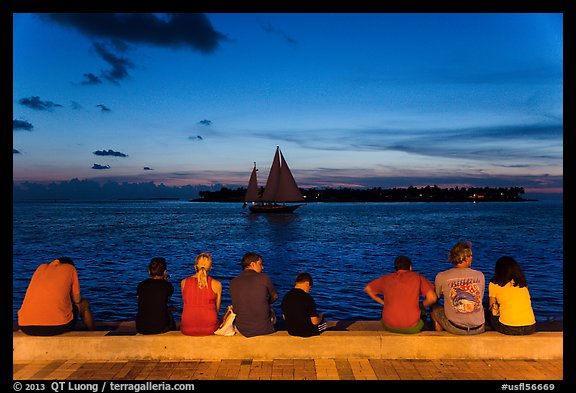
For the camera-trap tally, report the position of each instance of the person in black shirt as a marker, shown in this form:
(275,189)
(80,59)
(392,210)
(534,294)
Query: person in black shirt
(154,293)
(299,309)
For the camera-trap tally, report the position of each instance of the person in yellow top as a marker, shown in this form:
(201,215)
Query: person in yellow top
(509,299)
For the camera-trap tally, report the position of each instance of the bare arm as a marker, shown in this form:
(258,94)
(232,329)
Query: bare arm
(493,306)
(273,297)
(491,301)
(217,288)
(316,320)
(430,298)
(373,295)
(76,298)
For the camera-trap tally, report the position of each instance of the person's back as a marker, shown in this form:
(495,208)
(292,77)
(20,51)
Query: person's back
(299,309)
(462,289)
(199,317)
(153,294)
(201,295)
(252,294)
(47,300)
(53,301)
(509,299)
(401,291)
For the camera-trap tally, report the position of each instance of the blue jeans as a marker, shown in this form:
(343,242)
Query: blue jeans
(511,330)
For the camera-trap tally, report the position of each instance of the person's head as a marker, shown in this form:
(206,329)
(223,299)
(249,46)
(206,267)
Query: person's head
(157,267)
(253,261)
(461,253)
(506,270)
(66,260)
(303,281)
(403,263)
(202,266)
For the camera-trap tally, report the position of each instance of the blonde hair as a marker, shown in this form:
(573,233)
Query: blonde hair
(203,266)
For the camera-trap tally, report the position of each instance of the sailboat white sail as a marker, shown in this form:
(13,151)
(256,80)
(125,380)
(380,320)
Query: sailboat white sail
(280,188)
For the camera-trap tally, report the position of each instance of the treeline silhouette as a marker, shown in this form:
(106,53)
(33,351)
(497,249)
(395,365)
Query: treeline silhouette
(410,194)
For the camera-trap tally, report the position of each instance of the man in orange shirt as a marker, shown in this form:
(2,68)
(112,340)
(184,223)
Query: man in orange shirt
(401,292)
(53,302)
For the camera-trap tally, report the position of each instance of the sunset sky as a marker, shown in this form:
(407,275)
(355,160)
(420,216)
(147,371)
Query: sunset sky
(352,99)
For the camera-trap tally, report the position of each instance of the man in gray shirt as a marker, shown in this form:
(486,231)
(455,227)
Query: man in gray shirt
(463,290)
(252,294)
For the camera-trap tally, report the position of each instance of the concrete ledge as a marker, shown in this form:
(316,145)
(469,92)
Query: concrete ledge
(366,340)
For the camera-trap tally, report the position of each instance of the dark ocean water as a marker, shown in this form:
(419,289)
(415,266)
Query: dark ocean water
(342,245)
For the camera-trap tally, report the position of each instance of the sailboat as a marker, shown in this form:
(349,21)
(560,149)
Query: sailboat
(280,188)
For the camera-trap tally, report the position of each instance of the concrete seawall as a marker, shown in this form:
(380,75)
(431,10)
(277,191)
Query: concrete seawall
(360,339)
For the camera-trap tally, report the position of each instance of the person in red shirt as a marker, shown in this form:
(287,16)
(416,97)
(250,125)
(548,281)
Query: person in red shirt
(202,296)
(401,290)
(53,302)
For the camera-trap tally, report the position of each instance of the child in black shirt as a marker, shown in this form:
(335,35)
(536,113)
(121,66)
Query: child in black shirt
(154,293)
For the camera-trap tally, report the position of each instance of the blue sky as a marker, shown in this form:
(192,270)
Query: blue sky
(360,100)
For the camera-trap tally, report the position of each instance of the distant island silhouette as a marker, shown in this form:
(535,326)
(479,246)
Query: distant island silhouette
(410,194)
(90,190)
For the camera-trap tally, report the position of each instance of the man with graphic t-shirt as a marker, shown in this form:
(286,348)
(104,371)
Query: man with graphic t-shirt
(462,289)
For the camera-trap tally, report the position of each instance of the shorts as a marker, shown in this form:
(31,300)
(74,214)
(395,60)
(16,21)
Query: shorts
(52,330)
(439,316)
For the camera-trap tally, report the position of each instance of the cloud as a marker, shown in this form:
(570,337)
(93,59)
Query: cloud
(21,125)
(205,122)
(334,177)
(109,152)
(493,143)
(104,108)
(526,75)
(91,79)
(36,103)
(14,151)
(193,31)
(98,166)
(120,65)
(103,188)
(268,28)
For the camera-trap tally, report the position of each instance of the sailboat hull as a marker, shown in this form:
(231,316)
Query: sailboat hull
(274,208)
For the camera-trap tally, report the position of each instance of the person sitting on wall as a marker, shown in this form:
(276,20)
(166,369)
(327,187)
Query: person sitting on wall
(252,294)
(462,290)
(154,316)
(401,291)
(509,299)
(299,309)
(53,301)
